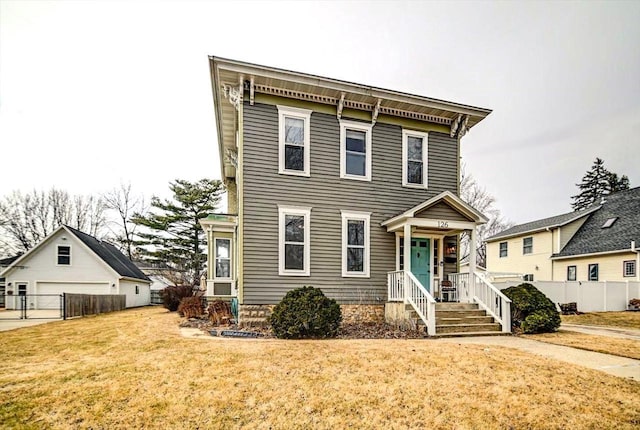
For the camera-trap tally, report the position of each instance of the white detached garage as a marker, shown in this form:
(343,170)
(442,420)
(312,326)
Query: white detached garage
(70,261)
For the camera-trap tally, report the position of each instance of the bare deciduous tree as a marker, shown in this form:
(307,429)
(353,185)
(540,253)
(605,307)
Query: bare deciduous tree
(27,218)
(124,203)
(478,197)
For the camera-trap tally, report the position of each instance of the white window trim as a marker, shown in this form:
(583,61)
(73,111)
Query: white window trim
(304,114)
(294,210)
(624,268)
(215,259)
(344,125)
(357,216)
(58,255)
(405,154)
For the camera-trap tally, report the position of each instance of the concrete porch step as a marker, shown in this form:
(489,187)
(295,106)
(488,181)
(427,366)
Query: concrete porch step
(456,306)
(481,319)
(472,334)
(460,313)
(466,328)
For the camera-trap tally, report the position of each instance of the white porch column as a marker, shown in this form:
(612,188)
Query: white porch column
(472,263)
(407,258)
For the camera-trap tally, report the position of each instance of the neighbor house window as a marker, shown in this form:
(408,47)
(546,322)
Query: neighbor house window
(414,159)
(294,140)
(355,150)
(527,245)
(503,249)
(223,258)
(528,278)
(593,272)
(294,240)
(629,268)
(137,290)
(571,273)
(355,244)
(64,255)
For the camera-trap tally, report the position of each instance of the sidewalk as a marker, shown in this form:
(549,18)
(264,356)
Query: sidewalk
(614,365)
(622,333)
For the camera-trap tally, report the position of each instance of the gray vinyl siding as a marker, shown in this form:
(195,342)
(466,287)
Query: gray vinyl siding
(264,189)
(567,231)
(442,211)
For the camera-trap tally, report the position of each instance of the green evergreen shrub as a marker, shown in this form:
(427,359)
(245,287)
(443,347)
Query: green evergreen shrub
(305,313)
(531,310)
(171,296)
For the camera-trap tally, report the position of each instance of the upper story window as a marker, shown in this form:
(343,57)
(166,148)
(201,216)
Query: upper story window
(294,140)
(629,268)
(593,272)
(571,273)
(223,258)
(527,245)
(355,244)
(64,255)
(414,159)
(294,240)
(355,150)
(503,249)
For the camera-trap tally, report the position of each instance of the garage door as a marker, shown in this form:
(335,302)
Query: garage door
(48,293)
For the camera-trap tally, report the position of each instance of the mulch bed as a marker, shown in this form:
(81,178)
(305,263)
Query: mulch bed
(347,331)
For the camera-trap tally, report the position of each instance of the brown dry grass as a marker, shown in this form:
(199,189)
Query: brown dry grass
(608,345)
(612,319)
(132,369)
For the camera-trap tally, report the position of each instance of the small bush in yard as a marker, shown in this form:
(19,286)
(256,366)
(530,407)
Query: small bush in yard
(191,307)
(305,313)
(171,296)
(531,310)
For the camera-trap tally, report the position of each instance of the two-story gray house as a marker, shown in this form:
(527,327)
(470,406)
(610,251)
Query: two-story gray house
(342,186)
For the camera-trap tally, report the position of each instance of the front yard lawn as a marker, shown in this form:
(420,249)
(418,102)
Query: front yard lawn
(609,345)
(613,319)
(132,369)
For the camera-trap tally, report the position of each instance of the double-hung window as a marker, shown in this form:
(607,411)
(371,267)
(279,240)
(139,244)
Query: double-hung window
(504,249)
(355,150)
(593,272)
(629,268)
(527,245)
(294,141)
(294,240)
(64,255)
(355,244)
(414,159)
(223,258)
(571,273)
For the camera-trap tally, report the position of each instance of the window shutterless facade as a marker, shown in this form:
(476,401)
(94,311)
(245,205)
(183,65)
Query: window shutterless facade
(571,273)
(629,268)
(504,248)
(527,245)
(222,268)
(528,278)
(64,255)
(294,141)
(414,159)
(593,272)
(355,150)
(294,240)
(355,244)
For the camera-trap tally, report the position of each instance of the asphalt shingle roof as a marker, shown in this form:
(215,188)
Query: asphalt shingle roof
(111,255)
(541,224)
(592,238)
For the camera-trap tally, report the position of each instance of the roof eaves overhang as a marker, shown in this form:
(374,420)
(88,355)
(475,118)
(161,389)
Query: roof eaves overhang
(33,250)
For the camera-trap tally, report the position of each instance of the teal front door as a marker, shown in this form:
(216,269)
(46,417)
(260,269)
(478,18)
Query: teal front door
(421,260)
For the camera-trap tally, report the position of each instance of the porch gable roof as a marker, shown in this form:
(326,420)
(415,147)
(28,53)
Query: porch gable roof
(455,202)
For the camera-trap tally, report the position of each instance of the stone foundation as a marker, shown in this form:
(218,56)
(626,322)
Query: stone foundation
(362,314)
(254,315)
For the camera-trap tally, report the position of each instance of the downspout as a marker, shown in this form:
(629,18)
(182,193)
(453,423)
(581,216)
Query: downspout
(637,251)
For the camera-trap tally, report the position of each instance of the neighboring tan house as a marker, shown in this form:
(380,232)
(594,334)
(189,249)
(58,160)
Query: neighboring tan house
(70,261)
(345,187)
(599,243)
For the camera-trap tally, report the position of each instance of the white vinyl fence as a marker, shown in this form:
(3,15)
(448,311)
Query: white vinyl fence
(590,296)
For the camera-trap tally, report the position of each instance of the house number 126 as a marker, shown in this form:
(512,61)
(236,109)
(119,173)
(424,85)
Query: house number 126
(443,224)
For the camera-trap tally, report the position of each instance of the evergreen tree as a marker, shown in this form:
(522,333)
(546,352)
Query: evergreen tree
(596,183)
(173,233)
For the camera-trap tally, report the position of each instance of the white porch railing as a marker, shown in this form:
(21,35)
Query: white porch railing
(460,281)
(493,301)
(405,287)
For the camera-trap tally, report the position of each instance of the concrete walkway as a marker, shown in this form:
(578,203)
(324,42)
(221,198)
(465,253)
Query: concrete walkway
(621,333)
(10,319)
(612,364)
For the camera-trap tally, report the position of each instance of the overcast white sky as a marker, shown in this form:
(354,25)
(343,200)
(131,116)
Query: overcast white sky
(95,93)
